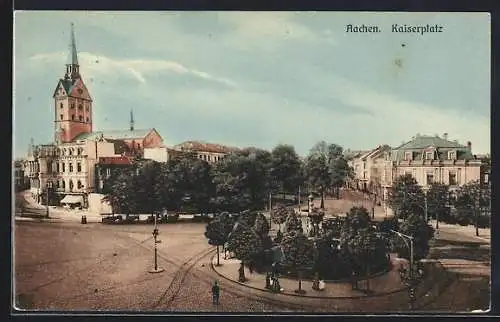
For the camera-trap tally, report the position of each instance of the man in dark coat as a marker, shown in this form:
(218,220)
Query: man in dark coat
(215,293)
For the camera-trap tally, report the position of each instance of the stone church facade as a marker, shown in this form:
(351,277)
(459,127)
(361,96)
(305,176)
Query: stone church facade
(64,171)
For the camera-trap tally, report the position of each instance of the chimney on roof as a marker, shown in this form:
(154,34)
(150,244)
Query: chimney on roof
(445,136)
(469,145)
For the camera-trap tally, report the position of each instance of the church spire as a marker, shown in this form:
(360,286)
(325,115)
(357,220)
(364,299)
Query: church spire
(72,67)
(131,120)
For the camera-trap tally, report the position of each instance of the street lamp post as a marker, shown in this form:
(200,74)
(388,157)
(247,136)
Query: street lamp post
(270,210)
(411,290)
(155,235)
(47,186)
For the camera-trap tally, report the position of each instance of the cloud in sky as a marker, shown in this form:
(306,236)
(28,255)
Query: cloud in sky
(250,78)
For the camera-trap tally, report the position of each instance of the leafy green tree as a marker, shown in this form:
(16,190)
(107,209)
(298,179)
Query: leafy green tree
(422,233)
(245,243)
(240,183)
(362,246)
(217,234)
(280,214)
(406,197)
(261,225)
(332,226)
(357,218)
(293,222)
(285,168)
(123,195)
(438,201)
(326,167)
(473,201)
(298,255)
(148,177)
(317,171)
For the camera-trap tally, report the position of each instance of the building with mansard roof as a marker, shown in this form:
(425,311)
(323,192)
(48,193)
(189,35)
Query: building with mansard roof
(427,158)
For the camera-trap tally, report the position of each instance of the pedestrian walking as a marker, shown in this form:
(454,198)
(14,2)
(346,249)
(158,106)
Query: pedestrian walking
(215,293)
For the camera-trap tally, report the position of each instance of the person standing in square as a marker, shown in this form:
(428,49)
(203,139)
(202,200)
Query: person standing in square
(215,293)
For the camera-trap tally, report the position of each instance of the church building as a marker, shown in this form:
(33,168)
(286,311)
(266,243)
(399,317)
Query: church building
(64,171)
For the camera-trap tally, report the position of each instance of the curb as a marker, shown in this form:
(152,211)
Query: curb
(306,296)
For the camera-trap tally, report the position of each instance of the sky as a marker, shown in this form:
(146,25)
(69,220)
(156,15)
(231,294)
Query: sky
(260,78)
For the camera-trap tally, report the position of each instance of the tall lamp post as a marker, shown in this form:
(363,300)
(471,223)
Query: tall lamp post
(47,187)
(155,235)
(411,289)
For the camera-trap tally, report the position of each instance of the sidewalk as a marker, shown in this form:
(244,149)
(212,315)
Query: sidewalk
(469,231)
(60,213)
(382,284)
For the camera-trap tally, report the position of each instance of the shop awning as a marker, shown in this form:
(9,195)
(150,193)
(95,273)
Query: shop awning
(71,199)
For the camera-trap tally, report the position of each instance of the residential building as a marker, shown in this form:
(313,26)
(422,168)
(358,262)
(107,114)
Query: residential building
(209,152)
(158,154)
(107,167)
(19,177)
(432,159)
(368,169)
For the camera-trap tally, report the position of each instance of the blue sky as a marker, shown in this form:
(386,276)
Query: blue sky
(261,78)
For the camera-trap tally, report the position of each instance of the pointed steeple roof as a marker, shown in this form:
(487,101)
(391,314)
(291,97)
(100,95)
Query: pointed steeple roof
(73,54)
(131,120)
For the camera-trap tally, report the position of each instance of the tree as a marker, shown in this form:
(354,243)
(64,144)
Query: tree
(148,177)
(406,197)
(298,255)
(422,233)
(123,195)
(327,168)
(332,226)
(216,233)
(240,183)
(293,222)
(245,243)
(285,168)
(316,169)
(261,225)
(362,247)
(473,201)
(438,200)
(280,214)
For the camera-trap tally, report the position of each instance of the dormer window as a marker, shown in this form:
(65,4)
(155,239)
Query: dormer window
(452,155)
(429,155)
(408,156)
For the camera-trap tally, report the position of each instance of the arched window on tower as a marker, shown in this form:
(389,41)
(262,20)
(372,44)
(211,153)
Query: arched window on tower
(70,151)
(80,107)
(63,184)
(79,184)
(61,105)
(70,185)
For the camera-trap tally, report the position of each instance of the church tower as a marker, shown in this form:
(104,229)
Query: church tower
(72,101)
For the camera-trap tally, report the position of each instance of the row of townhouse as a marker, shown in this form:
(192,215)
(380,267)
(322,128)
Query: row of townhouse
(427,158)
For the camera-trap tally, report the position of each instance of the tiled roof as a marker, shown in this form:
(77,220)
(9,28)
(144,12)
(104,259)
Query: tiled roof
(421,142)
(418,144)
(115,135)
(204,147)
